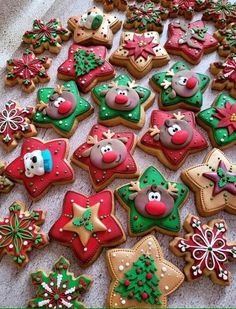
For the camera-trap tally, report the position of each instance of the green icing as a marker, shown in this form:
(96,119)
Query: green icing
(225,178)
(86,61)
(84,221)
(229,35)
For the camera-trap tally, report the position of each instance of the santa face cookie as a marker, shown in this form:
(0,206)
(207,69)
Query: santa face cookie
(87,66)
(109,5)
(87,224)
(139,53)
(180,87)
(61,108)
(190,41)
(107,155)
(220,121)
(122,102)
(40,165)
(5,184)
(172,137)
(141,277)
(214,184)
(152,203)
(94,27)
(206,250)
(226,39)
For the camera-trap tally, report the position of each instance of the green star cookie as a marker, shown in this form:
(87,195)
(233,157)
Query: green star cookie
(153,203)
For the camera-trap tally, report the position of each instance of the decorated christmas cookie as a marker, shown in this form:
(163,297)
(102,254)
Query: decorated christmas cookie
(220,121)
(180,87)
(87,66)
(214,184)
(205,249)
(15,123)
(172,137)
(139,53)
(109,5)
(226,38)
(107,155)
(60,288)
(40,165)
(62,108)
(87,224)
(122,102)
(152,203)
(46,36)
(27,71)
(190,41)
(141,277)
(19,233)
(225,75)
(5,184)
(94,27)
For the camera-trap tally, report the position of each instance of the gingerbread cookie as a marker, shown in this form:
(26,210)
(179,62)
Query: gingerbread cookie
(27,71)
(139,53)
(87,66)
(20,232)
(172,137)
(206,250)
(60,288)
(40,165)
(214,184)
(180,87)
(225,75)
(141,277)
(61,108)
(46,36)
(109,5)
(122,102)
(226,38)
(107,155)
(94,27)
(190,41)
(5,184)
(152,203)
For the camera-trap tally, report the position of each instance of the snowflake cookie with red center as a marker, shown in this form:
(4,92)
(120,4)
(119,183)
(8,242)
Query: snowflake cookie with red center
(227,40)
(19,233)
(141,277)
(46,36)
(40,165)
(27,71)
(205,249)
(107,155)
(109,5)
(87,224)
(60,288)
(5,184)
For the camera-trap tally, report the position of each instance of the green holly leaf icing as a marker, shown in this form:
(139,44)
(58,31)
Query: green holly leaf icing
(89,226)
(84,221)
(220,172)
(78,221)
(87,214)
(86,61)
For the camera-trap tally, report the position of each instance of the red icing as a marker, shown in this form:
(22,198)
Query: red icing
(155,208)
(192,82)
(180,137)
(65,107)
(224,114)
(121,99)
(109,157)
(145,295)
(229,69)
(140,46)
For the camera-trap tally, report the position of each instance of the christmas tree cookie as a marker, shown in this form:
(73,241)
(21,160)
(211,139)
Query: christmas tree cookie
(5,184)
(141,277)
(226,38)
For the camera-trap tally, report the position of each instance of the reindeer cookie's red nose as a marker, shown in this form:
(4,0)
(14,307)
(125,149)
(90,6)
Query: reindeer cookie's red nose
(179,137)
(155,208)
(192,82)
(64,107)
(121,99)
(109,157)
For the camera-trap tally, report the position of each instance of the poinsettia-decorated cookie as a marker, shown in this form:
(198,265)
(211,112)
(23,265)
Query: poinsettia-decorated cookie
(220,121)
(87,224)
(180,87)
(47,36)
(61,108)
(87,66)
(190,41)
(20,233)
(107,155)
(226,38)
(225,75)
(172,137)
(139,53)
(141,277)
(206,250)
(152,203)
(122,101)
(40,165)
(214,184)
(94,27)
(27,71)
(60,288)
(5,184)
(109,5)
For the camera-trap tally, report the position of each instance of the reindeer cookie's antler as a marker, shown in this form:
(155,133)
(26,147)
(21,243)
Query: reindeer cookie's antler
(41,105)
(92,139)
(108,134)
(172,187)
(154,131)
(170,73)
(59,89)
(134,186)
(165,84)
(132,84)
(112,84)
(178,116)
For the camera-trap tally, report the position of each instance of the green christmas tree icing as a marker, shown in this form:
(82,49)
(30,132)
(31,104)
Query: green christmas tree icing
(86,61)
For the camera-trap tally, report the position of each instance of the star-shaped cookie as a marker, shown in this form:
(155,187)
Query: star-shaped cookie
(87,224)
(226,39)
(180,87)
(141,277)
(109,5)
(214,184)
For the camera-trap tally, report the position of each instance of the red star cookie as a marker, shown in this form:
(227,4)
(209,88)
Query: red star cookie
(107,155)
(172,137)
(40,165)
(87,224)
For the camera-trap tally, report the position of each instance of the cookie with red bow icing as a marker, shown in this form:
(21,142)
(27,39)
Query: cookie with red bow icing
(109,5)
(107,155)
(172,137)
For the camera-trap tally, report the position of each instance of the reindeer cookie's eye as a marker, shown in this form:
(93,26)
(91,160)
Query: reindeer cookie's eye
(173,129)
(154,196)
(122,92)
(183,80)
(105,149)
(59,101)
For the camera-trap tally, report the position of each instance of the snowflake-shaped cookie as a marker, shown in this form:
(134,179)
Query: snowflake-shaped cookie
(227,40)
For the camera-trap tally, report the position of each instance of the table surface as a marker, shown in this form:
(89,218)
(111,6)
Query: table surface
(15,285)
